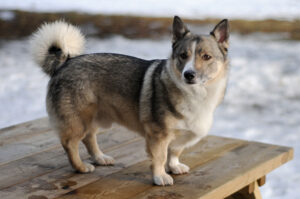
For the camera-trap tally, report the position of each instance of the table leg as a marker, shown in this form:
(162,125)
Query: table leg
(249,192)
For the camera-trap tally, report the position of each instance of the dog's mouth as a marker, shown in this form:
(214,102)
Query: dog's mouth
(190,81)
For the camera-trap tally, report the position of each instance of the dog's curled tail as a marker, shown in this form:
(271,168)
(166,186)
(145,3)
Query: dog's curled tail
(53,43)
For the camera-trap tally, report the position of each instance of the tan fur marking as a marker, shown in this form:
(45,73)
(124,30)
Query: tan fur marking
(157,148)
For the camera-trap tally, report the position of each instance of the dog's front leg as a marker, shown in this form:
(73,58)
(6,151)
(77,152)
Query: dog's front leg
(174,165)
(183,140)
(157,147)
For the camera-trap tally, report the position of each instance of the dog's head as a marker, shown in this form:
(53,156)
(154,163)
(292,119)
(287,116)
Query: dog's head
(199,59)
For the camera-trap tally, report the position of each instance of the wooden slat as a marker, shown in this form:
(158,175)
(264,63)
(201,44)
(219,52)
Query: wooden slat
(52,168)
(224,168)
(137,179)
(231,172)
(64,180)
(25,129)
(256,192)
(47,161)
(251,187)
(22,131)
(261,181)
(27,147)
(33,165)
(25,139)
(244,193)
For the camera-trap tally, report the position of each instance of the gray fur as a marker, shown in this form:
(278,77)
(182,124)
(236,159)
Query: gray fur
(87,78)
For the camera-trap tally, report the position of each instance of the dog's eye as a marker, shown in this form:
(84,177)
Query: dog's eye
(206,57)
(183,55)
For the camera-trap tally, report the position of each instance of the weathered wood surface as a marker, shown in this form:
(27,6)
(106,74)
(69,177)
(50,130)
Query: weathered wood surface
(219,167)
(25,139)
(48,169)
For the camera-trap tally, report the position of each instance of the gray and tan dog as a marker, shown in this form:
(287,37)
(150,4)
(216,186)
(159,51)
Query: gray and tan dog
(170,102)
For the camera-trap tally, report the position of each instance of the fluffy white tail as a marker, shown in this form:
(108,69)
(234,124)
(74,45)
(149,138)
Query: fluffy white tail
(53,43)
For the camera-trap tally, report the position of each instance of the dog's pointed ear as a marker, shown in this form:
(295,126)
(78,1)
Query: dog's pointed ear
(221,32)
(179,29)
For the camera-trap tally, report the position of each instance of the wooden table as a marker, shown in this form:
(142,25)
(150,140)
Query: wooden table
(33,165)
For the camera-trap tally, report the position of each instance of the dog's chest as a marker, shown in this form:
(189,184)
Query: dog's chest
(198,109)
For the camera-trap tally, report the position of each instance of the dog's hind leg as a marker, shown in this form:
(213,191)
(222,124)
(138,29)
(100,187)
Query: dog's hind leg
(157,147)
(70,139)
(90,141)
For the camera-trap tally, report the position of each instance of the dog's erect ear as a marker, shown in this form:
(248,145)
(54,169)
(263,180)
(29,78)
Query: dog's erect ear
(179,29)
(221,32)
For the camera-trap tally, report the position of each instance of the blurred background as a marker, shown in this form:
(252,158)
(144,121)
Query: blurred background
(262,102)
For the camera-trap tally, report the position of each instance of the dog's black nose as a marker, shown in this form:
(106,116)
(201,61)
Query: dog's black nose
(189,75)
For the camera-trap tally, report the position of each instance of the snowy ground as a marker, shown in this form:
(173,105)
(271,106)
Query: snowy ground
(262,102)
(243,9)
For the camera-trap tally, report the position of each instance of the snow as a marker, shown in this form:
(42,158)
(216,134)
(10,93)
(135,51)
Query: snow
(262,101)
(244,9)
(7,15)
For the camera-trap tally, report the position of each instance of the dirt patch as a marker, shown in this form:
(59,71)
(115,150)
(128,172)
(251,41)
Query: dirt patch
(23,23)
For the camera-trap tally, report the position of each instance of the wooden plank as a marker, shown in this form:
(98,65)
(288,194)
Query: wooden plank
(27,147)
(137,179)
(64,180)
(27,139)
(52,182)
(251,187)
(229,173)
(221,170)
(244,193)
(55,158)
(20,131)
(261,181)
(256,192)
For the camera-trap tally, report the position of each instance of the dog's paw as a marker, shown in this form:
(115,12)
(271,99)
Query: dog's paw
(104,160)
(163,180)
(86,168)
(179,168)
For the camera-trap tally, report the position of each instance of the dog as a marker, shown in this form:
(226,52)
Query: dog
(170,102)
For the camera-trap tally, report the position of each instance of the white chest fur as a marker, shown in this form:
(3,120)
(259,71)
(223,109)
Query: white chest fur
(198,107)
